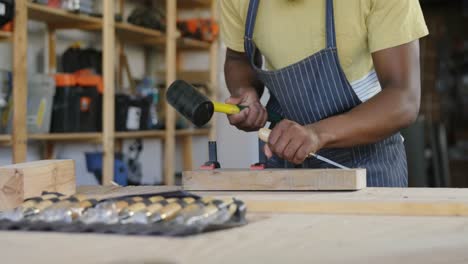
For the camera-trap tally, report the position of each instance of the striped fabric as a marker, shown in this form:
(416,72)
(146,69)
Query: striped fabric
(316,88)
(367,87)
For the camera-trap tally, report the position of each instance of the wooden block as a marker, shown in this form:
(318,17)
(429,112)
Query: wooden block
(275,180)
(25,180)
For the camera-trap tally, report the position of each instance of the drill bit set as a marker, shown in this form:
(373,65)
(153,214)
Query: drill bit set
(171,214)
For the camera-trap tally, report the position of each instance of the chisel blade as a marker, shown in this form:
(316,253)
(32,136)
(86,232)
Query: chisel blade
(331,162)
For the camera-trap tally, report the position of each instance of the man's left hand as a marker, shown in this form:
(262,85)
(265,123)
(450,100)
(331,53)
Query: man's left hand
(292,142)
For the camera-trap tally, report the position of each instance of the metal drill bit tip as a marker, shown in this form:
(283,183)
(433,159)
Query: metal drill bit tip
(331,162)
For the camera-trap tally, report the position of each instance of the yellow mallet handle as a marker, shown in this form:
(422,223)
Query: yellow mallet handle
(226,108)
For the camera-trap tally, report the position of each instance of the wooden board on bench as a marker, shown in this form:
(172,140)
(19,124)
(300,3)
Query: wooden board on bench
(30,179)
(275,180)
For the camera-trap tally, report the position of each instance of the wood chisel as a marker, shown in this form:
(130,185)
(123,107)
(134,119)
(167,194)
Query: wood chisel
(264,134)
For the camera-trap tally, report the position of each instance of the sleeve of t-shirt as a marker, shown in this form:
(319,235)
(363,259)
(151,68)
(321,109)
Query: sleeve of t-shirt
(391,23)
(232,25)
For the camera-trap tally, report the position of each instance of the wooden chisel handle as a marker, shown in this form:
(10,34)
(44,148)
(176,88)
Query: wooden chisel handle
(264,135)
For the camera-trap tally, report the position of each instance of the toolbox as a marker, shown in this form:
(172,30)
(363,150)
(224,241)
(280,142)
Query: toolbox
(75,59)
(77,103)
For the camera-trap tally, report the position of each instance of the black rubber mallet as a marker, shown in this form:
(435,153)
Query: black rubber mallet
(198,108)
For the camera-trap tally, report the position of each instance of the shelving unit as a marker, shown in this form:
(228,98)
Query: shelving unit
(208,78)
(114,34)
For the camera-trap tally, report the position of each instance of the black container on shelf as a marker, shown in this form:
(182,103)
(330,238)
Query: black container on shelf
(132,113)
(76,105)
(8,11)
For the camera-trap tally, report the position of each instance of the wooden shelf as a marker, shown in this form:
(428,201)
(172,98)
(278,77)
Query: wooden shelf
(96,137)
(190,76)
(193,132)
(191,4)
(61,18)
(192,44)
(140,134)
(5,139)
(93,136)
(133,34)
(5,36)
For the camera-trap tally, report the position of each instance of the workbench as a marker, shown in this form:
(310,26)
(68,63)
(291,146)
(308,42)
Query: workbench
(283,235)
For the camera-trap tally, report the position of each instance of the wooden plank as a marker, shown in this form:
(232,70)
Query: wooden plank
(187,152)
(140,134)
(169,142)
(214,71)
(274,179)
(25,180)
(5,36)
(48,147)
(194,4)
(369,201)
(5,139)
(20,81)
(192,132)
(192,44)
(133,34)
(199,77)
(91,136)
(108,135)
(51,37)
(290,238)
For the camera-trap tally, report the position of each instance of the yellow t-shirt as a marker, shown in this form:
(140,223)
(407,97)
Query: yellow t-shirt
(288,31)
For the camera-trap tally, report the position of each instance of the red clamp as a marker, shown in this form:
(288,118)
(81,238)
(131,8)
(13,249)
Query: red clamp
(208,166)
(257,166)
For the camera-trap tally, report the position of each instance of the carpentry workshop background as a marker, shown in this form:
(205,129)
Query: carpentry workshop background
(130,121)
(146,150)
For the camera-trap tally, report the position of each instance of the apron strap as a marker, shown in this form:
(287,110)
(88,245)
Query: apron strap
(250,26)
(252,16)
(330,23)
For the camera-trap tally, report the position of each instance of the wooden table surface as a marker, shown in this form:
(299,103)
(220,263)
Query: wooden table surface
(274,237)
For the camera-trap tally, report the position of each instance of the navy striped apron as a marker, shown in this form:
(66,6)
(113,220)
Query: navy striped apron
(316,88)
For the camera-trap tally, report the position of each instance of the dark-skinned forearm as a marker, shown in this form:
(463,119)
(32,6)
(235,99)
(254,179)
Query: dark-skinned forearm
(394,108)
(382,116)
(239,74)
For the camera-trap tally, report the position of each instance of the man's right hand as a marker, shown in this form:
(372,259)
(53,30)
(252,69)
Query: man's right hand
(251,118)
